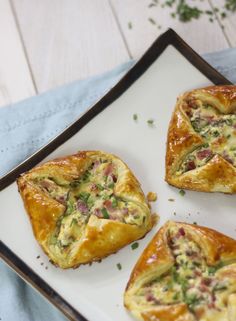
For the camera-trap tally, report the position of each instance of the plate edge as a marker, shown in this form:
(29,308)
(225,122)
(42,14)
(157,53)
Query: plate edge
(170,37)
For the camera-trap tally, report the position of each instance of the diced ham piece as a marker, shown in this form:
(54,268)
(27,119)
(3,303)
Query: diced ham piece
(204,153)
(203,288)
(192,103)
(108,170)
(96,164)
(47,184)
(211,305)
(150,297)
(209,119)
(98,212)
(62,198)
(190,165)
(125,211)
(93,187)
(108,205)
(175,247)
(197,273)
(206,281)
(188,113)
(114,178)
(181,231)
(82,207)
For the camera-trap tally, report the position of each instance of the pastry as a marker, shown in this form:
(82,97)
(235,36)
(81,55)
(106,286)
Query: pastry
(84,207)
(201,146)
(186,273)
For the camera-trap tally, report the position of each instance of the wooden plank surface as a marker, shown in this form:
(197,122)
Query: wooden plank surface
(15,78)
(228,23)
(202,35)
(68,40)
(50,43)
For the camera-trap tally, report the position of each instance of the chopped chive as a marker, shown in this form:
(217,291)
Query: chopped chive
(135,117)
(105,213)
(152,5)
(100,187)
(212,270)
(150,122)
(223,15)
(134,245)
(114,202)
(111,185)
(216,133)
(175,296)
(229,122)
(73,221)
(130,26)
(152,21)
(195,223)
(84,196)
(182,192)
(119,266)
(219,287)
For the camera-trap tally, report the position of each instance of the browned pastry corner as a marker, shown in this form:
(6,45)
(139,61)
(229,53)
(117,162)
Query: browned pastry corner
(84,207)
(186,273)
(201,144)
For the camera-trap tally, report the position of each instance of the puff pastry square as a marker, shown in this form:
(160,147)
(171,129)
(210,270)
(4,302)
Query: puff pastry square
(201,145)
(186,273)
(84,207)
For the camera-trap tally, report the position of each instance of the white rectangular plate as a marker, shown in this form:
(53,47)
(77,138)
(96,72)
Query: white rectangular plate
(149,90)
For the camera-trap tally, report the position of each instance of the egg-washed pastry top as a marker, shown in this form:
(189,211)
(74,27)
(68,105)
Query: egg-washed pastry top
(201,145)
(186,273)
(84,207)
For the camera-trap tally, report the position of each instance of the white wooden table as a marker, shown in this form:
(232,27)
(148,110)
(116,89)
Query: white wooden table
(46,43)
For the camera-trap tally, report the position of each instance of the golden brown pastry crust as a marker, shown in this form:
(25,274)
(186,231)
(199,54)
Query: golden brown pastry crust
(218,174)
(157,259)
(100,237)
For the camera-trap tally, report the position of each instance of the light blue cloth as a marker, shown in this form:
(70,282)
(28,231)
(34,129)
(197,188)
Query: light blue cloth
(26,126)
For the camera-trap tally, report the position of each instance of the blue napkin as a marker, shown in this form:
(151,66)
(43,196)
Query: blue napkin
(28,125)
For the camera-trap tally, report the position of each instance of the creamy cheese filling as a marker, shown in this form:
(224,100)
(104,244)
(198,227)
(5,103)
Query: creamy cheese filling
(190,280)
(93,193)
(217,129)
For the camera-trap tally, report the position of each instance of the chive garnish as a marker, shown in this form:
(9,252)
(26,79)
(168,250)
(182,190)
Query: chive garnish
(182,192)
(84,196)
(152,21)
(111,185)
(175,296)
(135,117)
(73,221)
(119,266)
(134,245)
(114,202)
(105,213)
(100,187)
(150,122)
